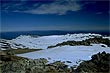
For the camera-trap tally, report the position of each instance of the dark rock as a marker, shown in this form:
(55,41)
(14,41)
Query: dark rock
(68,61)
(87,42)
(99,63)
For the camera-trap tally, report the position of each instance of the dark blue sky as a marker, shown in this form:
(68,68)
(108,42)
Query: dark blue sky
(28,15)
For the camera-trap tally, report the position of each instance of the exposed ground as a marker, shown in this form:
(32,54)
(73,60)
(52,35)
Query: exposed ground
(20,51)
(14,64)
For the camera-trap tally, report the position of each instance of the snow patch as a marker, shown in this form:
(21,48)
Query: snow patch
(74,54)
(45,41)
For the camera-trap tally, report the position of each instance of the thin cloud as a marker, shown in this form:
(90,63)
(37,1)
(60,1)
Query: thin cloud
(57,7)
(99,12)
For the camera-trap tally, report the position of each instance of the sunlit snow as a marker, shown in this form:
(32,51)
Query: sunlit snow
(43,42)
(67,53)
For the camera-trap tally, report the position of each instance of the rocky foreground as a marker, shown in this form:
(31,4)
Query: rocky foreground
(56,54)
(100,63)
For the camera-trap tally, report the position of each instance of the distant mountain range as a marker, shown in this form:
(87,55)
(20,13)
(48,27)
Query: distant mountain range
(13,35)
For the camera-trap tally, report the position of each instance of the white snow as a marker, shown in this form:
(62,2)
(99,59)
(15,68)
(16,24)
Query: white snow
(63,53)
(67,53)
(45,41)
(108,37)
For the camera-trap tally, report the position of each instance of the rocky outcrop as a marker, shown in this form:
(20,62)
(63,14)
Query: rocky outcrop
(22,65)
(87,42)
(100,63)
(4,44)
(14,64)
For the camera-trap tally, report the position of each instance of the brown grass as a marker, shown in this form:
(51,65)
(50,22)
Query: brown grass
(21,51)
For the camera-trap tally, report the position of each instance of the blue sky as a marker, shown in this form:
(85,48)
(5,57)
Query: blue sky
(76,15)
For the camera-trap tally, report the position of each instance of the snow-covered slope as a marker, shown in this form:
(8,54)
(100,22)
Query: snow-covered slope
(45,41)
(61,53)
(73,54)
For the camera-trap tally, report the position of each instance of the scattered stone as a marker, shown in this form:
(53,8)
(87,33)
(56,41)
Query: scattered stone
(87,42)
(14,64)
(100,63)
(68,61)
